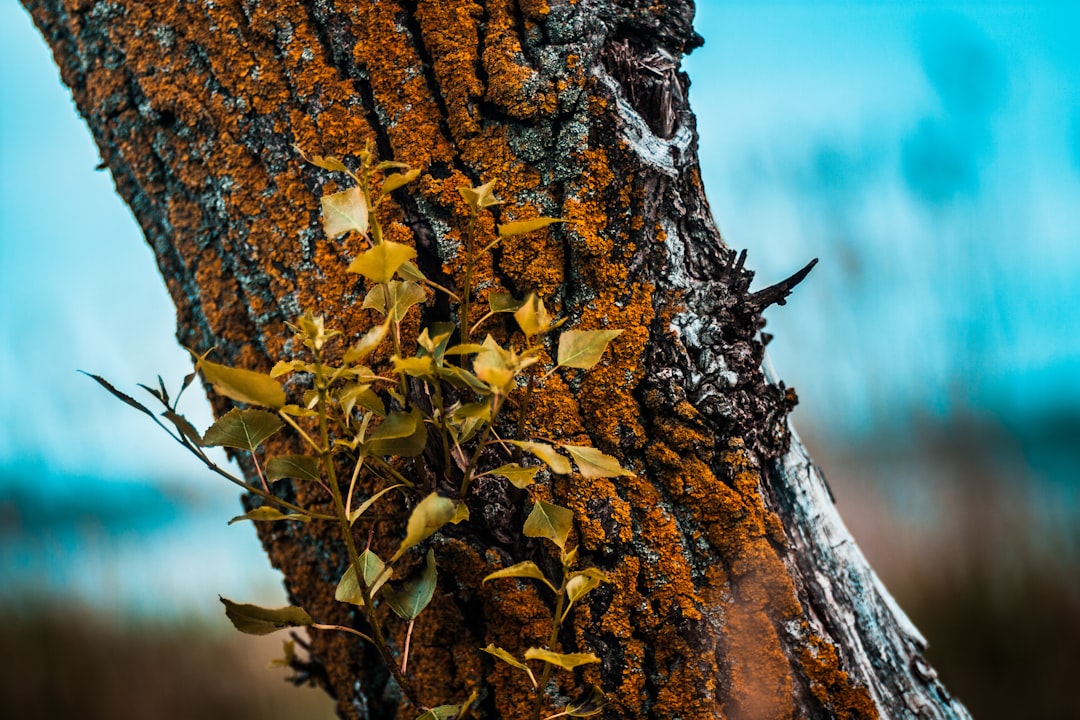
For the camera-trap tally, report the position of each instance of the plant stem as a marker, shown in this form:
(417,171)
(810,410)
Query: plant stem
(326,452)
(553,641)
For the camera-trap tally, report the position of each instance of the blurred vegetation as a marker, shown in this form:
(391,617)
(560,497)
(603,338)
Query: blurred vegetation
(62,664)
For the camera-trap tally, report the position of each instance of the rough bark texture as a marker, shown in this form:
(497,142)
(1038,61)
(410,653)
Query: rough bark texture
(737,591)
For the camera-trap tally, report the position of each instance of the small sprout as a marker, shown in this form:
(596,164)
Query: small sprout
(480,197)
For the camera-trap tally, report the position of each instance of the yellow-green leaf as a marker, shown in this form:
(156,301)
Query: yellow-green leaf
(243,429)
(326,162)
(375,576)
(397,180)
(441,712)
(549,521)
(480,197)
(428,516)
(509,659)
(582,582)
(421,367)
(401,434)
(520,477)
(551,457)
(284,367)
(403,295)
(300,467)
(246,386)
(378,264)
(503,302)
(461,378)
(583,348)
(532,317)
(594,464)
(355,394)
(269,514)
(355,514)
(567,661)
(415,595)
(255,620)
(521,227)
(344,211)
(367,344)
(526,569)
(461,513)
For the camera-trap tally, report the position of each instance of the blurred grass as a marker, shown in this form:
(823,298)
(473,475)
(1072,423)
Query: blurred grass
(60,664)
(975,529)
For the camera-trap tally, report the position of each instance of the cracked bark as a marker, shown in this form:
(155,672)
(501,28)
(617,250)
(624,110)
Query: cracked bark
(738,592)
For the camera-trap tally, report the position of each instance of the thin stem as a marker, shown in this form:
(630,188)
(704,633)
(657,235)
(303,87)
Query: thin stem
(405,653)
(259,471)
(342,628)
(553,641)
(524,414)
(467,290)
(378,638)
(467,479)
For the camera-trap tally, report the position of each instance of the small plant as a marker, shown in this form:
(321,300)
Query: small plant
(424,427)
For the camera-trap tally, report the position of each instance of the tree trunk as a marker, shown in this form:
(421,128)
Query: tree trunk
(737,591)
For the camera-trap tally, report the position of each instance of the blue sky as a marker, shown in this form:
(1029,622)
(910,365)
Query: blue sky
(928,153)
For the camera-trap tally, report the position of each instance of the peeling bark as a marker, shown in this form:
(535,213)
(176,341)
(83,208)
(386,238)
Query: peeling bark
(737,591)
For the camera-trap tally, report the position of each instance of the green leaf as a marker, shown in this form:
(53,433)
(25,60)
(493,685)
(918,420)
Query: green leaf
(584,581)
(344,211)
(401,434)
(355,514)
(520,477)
(594,464)
(510,660)
(532,317)
(376,573)
(591,704)
(397,180)
(551,457)
(411,600)
(503,302)
(183,426)
(461,378)
(521,227)
(378,264)
(246,386)
(464,349)
(243,429)
(567,661)
(367,344)
(283,367)
(549,521)
(267,513)
(461,513)
(583,348)
(402,295)
(435,337)
(421,367)
(478,411)
(480,197)
(493,365)
(355,394)
(526,569)
(255,620)
(300,467)
(442,712)
(429,515)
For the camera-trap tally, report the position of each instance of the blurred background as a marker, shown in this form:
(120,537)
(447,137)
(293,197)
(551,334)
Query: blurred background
(928,153)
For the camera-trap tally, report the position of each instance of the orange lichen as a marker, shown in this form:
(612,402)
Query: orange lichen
(832,686)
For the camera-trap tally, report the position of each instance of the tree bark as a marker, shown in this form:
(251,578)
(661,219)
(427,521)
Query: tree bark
(737,592)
